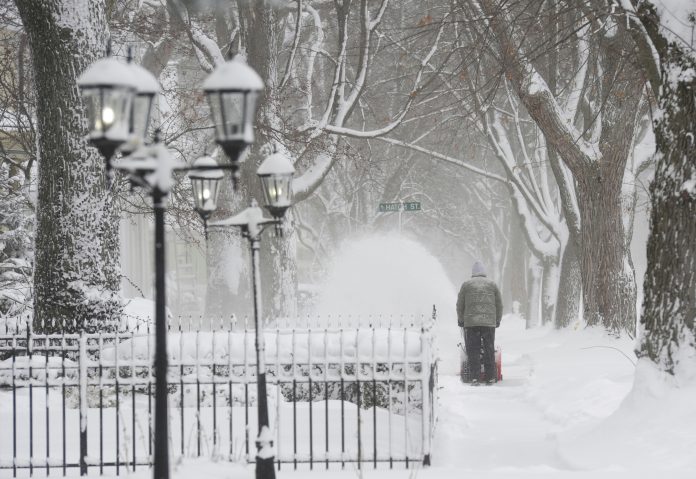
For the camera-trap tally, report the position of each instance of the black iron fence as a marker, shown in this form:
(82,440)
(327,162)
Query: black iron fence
(339,394)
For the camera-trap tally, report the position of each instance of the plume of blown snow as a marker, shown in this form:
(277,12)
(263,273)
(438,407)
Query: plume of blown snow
(390,277)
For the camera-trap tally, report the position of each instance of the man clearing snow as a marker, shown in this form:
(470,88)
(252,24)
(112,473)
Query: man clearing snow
(479,311)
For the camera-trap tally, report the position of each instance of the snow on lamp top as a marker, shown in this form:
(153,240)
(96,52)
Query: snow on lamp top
(208,163)
(145,82)
(276,164)
(108,72)
(138,162)
(234,75)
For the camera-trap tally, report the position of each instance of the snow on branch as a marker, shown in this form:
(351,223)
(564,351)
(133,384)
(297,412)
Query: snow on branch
(378,17)
(424,62)
(336,84)
(206,49)
(295,44)
(537,97)
(443,157)
(503,150)
(304,185)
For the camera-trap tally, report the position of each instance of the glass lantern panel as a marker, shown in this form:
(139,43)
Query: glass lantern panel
(205,192)
(108,112)
(197,185)
(250,113)
(210,194)
(115,113)
(233,113)
(276,190)
(214,100)
(141,116)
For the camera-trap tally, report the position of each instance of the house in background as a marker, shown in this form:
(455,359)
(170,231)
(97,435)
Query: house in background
(185,267)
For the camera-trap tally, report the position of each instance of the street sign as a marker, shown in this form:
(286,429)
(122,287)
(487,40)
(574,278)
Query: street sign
(385,207)
(406,206)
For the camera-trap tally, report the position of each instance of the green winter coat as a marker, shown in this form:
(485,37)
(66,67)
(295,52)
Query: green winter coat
(479,303)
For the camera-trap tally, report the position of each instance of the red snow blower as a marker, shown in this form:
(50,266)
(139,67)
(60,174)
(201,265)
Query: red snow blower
(464,370)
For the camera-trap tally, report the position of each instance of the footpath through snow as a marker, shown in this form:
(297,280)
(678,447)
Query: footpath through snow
(555,385)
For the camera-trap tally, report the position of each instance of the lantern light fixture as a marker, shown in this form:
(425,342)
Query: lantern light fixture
(232,90)
(276,173)
(147,88)
(205,180)
(107,89)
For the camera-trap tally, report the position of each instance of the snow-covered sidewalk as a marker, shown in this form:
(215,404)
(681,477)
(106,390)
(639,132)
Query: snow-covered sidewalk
(490,428)
(554,384)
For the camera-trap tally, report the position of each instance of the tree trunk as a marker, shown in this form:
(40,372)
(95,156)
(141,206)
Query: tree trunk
(77,275)
(229,285)
(549,289)
(569,288)
(263,35)
(597,166)
(515,276)
(669,304)
(533,291)
(609,293)
(283,253)
(229,271)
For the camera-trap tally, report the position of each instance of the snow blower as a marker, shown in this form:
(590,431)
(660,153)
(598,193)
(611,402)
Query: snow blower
(463,361)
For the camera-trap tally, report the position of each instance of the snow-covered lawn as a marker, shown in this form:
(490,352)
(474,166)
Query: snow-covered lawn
(567,407)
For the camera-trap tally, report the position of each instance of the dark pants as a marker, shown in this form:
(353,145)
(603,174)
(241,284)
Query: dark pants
(473,337)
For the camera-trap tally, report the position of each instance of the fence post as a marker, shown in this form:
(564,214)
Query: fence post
(425,395)
(83,404)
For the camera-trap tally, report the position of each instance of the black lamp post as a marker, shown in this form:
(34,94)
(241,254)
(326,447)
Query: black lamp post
(109,88)
(276,175)
(118,98)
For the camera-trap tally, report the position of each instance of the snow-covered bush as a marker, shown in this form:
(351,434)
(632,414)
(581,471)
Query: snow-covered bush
(16,254)
(37,367)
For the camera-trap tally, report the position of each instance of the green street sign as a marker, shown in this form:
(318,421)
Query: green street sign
(386,207)
(407,206)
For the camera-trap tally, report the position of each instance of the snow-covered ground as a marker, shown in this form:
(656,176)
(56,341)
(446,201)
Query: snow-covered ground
(572,403)
(567,407)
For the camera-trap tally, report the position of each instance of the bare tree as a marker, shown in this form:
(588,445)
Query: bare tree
(669,306)
(596,151)
(316,60)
